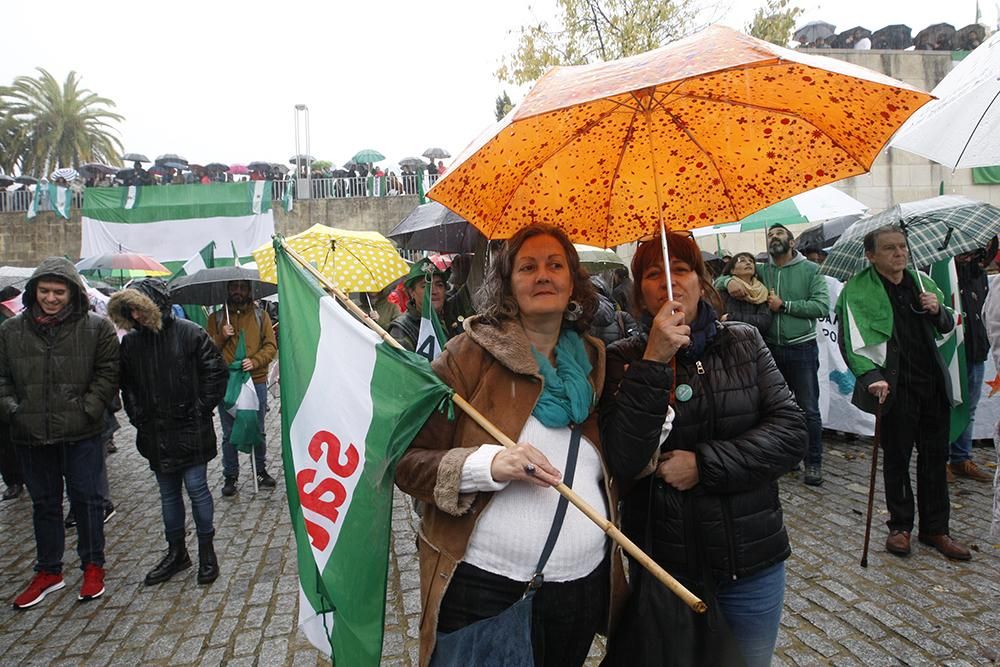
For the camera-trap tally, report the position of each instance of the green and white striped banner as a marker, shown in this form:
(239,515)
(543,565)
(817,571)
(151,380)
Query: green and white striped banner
(171,223)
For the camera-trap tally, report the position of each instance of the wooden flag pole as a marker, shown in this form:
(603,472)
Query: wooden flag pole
(610,529)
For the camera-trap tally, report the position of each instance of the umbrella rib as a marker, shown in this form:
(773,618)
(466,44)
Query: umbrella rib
(614,178)
(683,127)
(587,127)
(785,112)
(973,133)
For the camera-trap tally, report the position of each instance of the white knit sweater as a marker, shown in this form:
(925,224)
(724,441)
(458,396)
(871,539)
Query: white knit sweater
(510,534)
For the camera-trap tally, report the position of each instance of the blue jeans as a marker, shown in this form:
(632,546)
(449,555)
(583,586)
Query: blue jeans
(195,479)
(230,464)
(799,365)
(81,464)
(752,607)
(961,449)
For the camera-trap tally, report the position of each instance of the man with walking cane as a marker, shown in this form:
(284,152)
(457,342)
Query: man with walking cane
(242,315)
(890,317)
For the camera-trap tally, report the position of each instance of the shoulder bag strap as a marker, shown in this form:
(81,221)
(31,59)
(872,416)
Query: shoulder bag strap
(557,521)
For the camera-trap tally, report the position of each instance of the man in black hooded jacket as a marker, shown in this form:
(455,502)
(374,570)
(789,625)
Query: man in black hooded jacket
(58,375)
(172,376)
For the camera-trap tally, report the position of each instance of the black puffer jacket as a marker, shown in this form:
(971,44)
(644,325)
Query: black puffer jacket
(56,382)
(743,426)
(172,377)
(738,310)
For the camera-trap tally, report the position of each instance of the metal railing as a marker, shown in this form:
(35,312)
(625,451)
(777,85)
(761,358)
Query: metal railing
(321,188)
(20,200)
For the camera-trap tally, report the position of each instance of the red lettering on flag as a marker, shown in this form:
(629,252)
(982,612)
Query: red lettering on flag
(314,499)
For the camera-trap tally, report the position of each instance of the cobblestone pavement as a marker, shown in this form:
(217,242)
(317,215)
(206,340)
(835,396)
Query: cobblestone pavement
(917,610)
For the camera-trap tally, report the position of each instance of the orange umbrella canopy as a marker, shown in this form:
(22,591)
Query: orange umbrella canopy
(707,130)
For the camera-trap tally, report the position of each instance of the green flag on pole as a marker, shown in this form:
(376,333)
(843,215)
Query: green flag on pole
(241,402)
(431,338)
(340,463)
(952,346)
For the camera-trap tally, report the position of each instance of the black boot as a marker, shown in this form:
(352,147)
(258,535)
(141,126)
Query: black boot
(177,559)
(208,565)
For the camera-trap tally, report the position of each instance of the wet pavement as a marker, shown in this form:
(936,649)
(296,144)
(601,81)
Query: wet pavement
(918,610)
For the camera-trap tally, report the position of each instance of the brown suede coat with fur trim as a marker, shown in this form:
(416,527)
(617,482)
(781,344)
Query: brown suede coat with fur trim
(491,367)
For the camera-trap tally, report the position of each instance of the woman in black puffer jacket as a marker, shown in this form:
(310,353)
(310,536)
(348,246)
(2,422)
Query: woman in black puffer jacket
(713,506)
(172,377)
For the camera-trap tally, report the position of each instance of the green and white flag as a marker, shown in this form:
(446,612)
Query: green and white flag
(35,202)
(59,198)
(241,402)
(952,346)
(350,405)
(431,339)
(203,259)
(289,197)
(171,224)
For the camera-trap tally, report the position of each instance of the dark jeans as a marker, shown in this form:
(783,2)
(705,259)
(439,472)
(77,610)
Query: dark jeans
(195,479)
(961,449)
(44,467)
(230,462)
(799,365)
(917,416)
(565,615)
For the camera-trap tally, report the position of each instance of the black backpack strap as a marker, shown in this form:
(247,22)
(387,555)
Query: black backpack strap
(557,521)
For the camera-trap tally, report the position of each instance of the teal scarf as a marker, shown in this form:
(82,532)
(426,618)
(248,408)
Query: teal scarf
(567,396)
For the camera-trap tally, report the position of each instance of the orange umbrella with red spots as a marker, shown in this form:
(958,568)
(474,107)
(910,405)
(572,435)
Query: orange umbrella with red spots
(709,129)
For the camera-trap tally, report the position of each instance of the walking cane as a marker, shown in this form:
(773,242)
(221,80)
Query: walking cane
(871,482)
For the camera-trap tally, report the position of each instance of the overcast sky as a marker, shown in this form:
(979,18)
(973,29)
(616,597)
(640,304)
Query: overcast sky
(218,81)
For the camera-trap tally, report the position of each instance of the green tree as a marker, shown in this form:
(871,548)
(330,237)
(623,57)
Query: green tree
(504,105)
(59,125)
(591,30)
(774,22)
(8,139)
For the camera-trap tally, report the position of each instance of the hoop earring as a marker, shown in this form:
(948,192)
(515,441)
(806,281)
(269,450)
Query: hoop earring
(573,311)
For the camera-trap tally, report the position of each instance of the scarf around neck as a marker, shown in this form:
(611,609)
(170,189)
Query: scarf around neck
(566,392)
(45,321)
(756,290)
(703,330)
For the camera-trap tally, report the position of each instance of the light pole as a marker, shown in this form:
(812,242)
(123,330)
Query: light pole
(302,112)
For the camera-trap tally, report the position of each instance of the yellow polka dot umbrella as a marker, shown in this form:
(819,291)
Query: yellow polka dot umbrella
(353,261)
(709,129)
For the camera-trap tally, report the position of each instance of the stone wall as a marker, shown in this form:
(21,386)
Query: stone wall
(25,242)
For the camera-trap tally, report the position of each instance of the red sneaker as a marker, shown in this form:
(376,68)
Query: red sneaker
(43,584)
(93,582)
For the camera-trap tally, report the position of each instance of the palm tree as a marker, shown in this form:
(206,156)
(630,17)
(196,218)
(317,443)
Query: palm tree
(57,125)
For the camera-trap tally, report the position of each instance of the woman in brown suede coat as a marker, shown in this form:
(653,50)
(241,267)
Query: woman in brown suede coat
(527,365)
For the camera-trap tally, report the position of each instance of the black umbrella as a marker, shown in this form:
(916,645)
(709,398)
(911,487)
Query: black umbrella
(826,233)
(6,180)
(125,174)
(134,157)
(436,154)
(259,166)
(179,166)
(431,226)
(170,157)
(96,169)
(216,167)
(26,180)
(208,286)
(279,168)
(159,169)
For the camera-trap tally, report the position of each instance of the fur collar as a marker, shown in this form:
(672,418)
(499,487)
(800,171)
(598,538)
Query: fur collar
(122,304)
(507,343)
